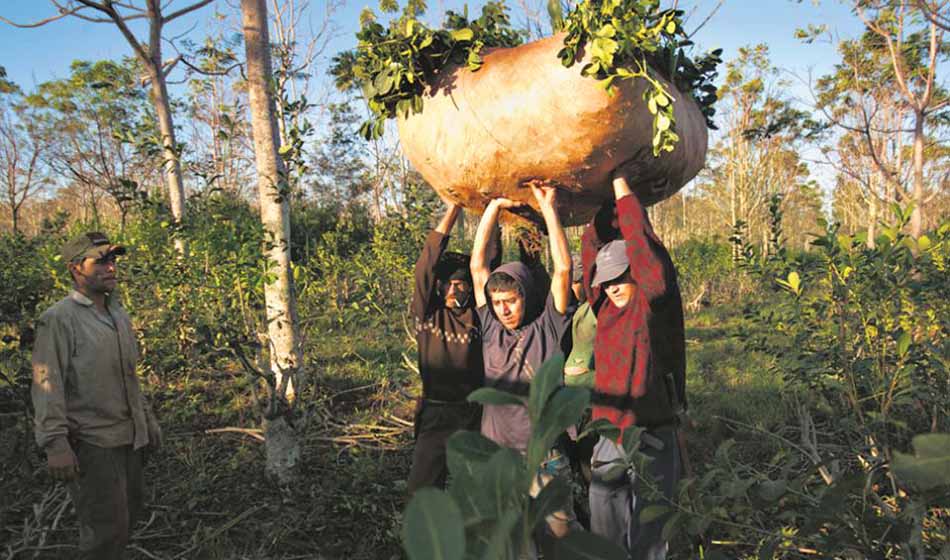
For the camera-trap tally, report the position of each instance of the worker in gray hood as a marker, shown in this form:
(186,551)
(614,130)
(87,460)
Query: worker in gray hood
(521,328)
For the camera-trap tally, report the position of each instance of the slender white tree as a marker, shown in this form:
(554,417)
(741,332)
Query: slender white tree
(274,192)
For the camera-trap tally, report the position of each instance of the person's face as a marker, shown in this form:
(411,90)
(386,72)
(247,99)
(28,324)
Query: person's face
(95,275)
(619,290)
(457,293)
(509,308)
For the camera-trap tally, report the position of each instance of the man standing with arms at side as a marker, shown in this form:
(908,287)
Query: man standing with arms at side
(450,352)
(91,418)
(640,373)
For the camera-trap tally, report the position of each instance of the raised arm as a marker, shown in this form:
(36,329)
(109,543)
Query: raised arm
(480,249)
(646,254)
(435,243)
(560,251)
(448,220)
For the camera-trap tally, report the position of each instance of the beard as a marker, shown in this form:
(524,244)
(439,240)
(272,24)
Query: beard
(458,301)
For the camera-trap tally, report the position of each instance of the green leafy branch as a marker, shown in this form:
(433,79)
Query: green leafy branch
(629,39)
(393,65)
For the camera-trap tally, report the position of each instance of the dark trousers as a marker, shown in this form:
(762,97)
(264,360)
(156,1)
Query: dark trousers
(108,499)
(435,423)
(616,500)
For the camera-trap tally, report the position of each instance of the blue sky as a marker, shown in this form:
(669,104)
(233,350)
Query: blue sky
(35,55)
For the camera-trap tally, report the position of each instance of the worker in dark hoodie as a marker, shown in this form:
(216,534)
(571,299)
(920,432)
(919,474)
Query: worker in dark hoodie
(521,327)
(450,351)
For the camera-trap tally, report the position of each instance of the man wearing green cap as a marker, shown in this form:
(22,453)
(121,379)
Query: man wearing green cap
(91,418)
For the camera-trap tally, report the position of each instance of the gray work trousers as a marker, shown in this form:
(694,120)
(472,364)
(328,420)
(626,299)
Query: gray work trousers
(615,504)
(108,499)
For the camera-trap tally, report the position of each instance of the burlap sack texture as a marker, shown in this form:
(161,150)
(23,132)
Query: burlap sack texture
(525,116)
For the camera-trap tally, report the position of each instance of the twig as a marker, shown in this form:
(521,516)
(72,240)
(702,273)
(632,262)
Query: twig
(219,530)
(52,496)
(397,420)
(354,389)
(145,552)
(379,428)
(705,21)
(254,433)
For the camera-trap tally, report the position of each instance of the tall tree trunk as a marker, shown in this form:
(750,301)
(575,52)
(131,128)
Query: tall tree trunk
(872,216)
(152,59)
(163,112)
(282,445)
(916,217)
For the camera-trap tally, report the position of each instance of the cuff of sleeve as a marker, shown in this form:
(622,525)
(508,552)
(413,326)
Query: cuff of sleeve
(57,446)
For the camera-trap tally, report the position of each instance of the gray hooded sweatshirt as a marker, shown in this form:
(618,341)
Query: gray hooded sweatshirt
(513,356)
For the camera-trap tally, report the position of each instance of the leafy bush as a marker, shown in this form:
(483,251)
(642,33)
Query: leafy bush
(706,272)
(860,338)
(185,308)
(23,276)
(360,273)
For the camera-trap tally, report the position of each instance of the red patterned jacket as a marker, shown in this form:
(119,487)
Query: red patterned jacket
(640,350)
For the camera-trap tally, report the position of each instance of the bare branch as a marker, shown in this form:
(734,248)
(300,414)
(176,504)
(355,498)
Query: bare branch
(706,20)
(937,13)
(119,21)
(224,72)
(186,10)
(62,13)
(184,60)
(168,66)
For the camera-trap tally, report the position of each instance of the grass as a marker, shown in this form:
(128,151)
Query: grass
(209,496)
(732,391)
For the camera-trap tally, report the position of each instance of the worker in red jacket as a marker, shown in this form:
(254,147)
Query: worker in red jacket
(640,372)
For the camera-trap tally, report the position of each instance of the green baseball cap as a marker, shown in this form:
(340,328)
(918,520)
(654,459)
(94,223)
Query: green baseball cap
(92,245)
(579,366)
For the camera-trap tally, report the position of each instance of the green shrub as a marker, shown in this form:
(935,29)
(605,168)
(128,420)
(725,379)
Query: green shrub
(706,273)
(860,338)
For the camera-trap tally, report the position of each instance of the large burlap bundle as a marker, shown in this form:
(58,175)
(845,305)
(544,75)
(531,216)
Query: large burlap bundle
(524,116)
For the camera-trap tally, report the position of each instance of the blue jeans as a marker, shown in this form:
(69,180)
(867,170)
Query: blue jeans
(616,503)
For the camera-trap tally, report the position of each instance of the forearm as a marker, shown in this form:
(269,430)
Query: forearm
(621,187)
(448,219)
(647,265)
(479,263)
(49,403)
(560,250)
(483,236)
(560,260)
(424,278)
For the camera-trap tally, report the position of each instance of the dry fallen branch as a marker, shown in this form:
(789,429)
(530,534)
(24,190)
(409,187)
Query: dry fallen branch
(213,534)
(397,420)
(36,527)
(144,552)
(355,389)
(251,432)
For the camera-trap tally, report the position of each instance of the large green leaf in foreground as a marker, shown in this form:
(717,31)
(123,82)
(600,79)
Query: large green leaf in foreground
(929,467)
(433,528)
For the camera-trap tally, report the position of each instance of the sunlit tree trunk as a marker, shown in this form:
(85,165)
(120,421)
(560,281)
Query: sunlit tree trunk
(282,445)
(916,217)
